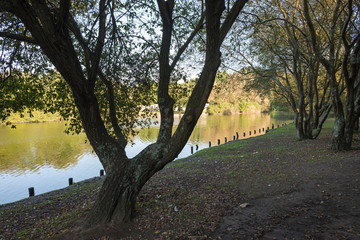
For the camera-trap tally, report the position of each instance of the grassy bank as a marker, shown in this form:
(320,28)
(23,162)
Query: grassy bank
(35,116)
(193,198)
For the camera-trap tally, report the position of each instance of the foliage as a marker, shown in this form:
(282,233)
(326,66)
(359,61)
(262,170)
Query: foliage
(235,93)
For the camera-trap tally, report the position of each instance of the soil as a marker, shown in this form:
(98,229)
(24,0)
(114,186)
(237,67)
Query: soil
(266,187)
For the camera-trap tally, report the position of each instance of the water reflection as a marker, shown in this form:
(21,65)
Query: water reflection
(32,146)
(211,128)
(41,155)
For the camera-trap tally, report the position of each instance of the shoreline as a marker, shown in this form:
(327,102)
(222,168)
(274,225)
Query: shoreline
(48,195)
(270,186)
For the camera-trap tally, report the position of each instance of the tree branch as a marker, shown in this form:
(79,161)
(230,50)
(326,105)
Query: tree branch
(230,18)
(95,60)
(74,28)
(188,41)
(5,5)
(88,56)
(18,37)
(112,108)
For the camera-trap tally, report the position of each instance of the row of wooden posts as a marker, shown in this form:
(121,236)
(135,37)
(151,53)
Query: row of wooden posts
(71,182)
(236,137)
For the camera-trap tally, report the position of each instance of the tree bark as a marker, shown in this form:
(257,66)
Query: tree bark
(338,136)
(117,197)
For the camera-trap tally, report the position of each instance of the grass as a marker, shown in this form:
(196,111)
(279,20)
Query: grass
(37,116)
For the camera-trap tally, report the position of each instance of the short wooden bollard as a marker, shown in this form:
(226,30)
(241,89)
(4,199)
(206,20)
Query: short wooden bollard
(272,126)
(254,131)
(31,192)
(268,128)
(249,133)
(218,141)
(225,139)
(259,130)
(192,149)
(197,147)
(278,125)
(71,181)
(101,172)
(209,143)
(234,137)
(263,130)
(244,134)
(237,135)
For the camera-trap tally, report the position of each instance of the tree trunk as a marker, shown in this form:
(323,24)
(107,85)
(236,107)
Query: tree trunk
(117,196)
(338,136)
(116,200)
(299,126)
(350,117)
(356,126)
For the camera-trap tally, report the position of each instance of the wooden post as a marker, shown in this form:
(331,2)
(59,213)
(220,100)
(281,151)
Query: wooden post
(263,130)
(31,192)
(249,133)
(218,141)
(259,130)
(101,172)
(209,143)
(272,126)
(268,128)
(71,181)
(197,147)
(237,136)
(225,139)
(192,149)
(234,137)
(278,125)
(244,134)
(254,131)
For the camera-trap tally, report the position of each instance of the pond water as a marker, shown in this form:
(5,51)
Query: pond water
(42,156)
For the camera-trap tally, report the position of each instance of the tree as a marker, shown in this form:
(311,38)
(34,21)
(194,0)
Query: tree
(279,46)
(80,52)
(342,36)
(351,70)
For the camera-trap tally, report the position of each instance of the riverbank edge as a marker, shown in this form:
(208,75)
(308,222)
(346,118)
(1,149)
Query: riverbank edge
(156,195)
(48,195)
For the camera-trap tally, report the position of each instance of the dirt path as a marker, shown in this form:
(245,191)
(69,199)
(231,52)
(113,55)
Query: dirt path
(324,208)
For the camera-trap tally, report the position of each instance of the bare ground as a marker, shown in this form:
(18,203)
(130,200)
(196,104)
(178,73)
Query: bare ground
(267,187)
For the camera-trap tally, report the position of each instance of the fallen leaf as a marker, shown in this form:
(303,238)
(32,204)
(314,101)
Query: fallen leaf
(244,205)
